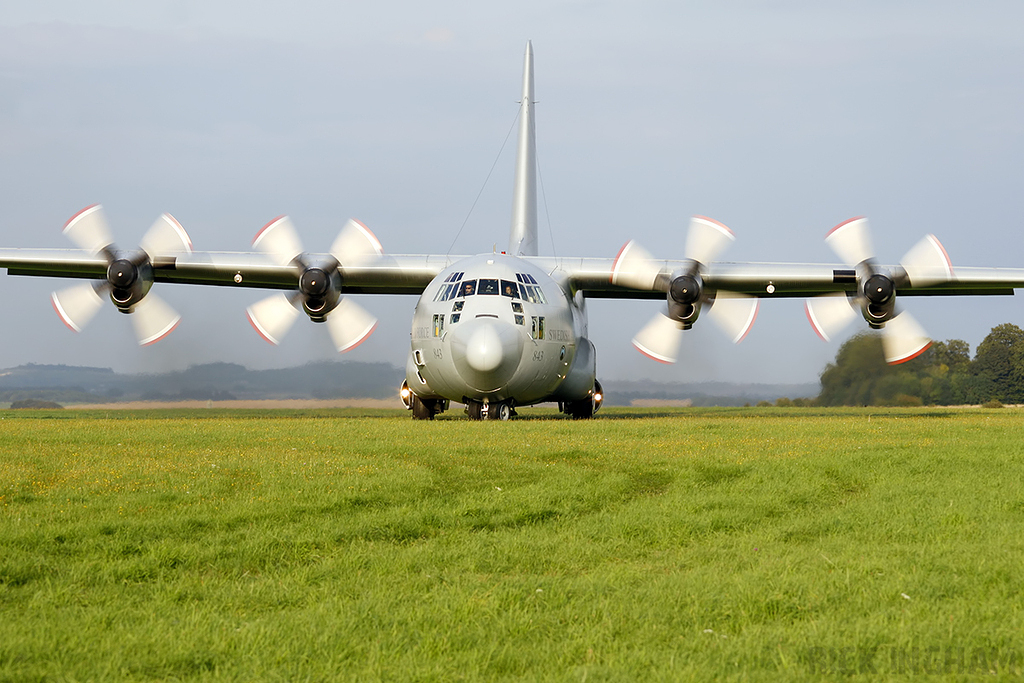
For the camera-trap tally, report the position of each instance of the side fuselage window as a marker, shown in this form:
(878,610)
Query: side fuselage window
(537,327)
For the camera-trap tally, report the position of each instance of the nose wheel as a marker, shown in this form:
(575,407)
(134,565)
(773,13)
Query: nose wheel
(477,410)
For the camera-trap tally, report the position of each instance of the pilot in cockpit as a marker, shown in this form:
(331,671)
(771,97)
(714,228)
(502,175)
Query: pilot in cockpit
(469,288)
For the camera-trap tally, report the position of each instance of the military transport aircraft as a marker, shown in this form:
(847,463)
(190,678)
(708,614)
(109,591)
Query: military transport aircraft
(502,330)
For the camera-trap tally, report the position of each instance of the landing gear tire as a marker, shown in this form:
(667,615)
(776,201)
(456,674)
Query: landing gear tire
(580,410)
(490,411)
(500,411)
(421,410)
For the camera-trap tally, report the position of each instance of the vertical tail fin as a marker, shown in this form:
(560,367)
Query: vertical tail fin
(523,236)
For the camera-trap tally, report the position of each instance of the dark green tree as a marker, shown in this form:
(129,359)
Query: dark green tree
(940,375)
(955,354)
(998,360)
(852,378)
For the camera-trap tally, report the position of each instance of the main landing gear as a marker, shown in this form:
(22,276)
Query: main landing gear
(422,408)
(501,410)
(585,408)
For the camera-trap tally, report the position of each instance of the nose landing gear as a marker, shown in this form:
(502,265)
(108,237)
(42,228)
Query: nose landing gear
(477,410)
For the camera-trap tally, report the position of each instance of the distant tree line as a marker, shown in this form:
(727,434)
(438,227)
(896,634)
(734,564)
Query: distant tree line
(945,374)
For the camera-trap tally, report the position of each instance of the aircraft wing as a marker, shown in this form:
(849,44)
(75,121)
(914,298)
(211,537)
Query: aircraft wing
(410,274)
(834,295)
(389,274)
(774,280)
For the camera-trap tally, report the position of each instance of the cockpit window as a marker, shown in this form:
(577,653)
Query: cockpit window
(488,287)
(533,294)
(528,289)
(450,288)
(468,288)
(446,292)
(509,289)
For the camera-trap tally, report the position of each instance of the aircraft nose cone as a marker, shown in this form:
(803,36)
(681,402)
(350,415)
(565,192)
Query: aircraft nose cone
(486,352)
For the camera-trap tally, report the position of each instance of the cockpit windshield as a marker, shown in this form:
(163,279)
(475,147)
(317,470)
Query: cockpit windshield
(527,288)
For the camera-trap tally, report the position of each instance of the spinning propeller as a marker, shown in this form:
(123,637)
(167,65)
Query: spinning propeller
(925,264)
(684,290)
(318,284)
(129,275)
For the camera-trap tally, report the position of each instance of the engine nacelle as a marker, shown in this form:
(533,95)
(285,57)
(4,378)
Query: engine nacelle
(321,290)
(685,296)
(129,281)
(878,303)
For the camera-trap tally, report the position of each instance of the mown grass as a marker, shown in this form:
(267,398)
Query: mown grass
(689,544)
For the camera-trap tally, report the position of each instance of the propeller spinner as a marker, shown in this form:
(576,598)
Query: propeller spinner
(685,291)
(129,275)
(925,264)
(318,284)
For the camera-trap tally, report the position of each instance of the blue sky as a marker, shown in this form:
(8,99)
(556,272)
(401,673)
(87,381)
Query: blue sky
(780,119)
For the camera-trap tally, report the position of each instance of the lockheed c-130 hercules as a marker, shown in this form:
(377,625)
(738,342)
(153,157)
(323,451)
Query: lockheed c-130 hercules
(502,330)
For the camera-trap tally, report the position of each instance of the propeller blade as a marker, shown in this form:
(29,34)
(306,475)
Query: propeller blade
(89,230)
(851,241)
(272,317)
(829,313)
(77,305)
(903,339)
(635,268)
(166,237)
(706,239)
(355,243)
(660,339)
(734,314)
(153,319)
(279,240)
(350,324)
(927,263)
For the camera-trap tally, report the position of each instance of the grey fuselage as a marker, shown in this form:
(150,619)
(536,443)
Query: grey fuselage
(495,328)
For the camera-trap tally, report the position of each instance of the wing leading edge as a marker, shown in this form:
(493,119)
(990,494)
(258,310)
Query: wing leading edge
(411,273)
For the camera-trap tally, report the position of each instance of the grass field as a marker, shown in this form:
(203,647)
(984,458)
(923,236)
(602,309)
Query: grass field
(690,544)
